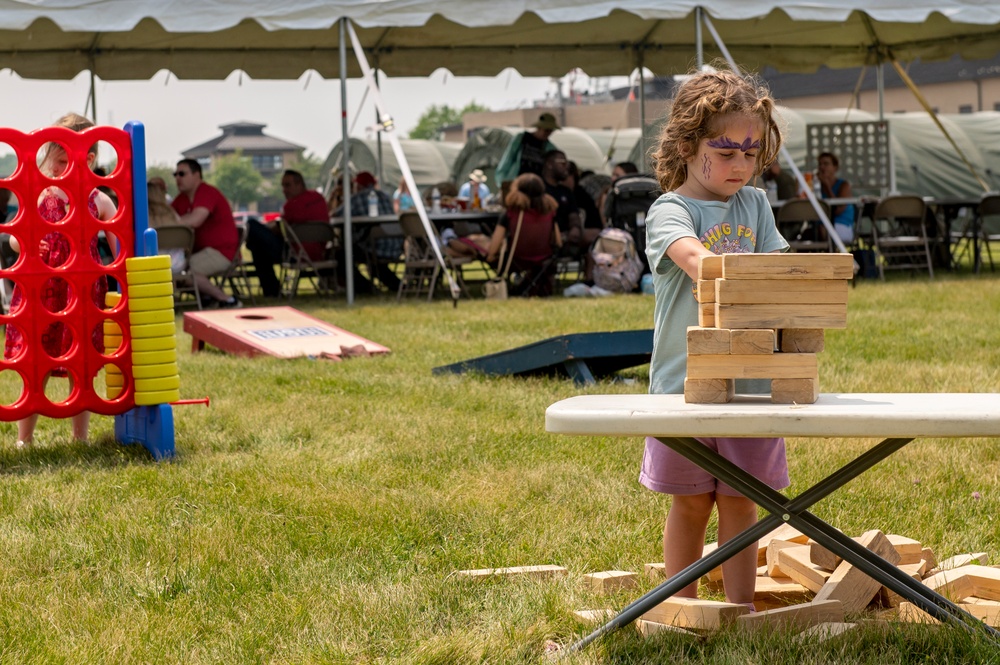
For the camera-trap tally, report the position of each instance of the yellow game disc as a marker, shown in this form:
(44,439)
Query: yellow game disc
(151,290)
(112,369)
(158,397)
(154,357)
(149,277)
(153,330)
(112,298)
(114,391)
(116,380)
(154,344)
(112,343)
(140,318)
(154,371)
(156,385)
(111,327)
(150,304)
(144,263)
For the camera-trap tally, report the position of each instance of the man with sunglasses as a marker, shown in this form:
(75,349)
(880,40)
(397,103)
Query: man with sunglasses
(216,239)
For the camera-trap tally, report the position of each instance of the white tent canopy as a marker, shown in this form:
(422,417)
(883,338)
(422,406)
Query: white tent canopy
(208,39)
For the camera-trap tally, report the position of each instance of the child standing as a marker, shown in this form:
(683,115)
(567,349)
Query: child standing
(720,133)
(54,250)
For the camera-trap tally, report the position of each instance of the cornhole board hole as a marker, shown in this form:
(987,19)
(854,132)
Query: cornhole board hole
(284,332)
(582,357)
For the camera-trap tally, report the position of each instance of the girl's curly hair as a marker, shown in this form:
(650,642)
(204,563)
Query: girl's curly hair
(699,102)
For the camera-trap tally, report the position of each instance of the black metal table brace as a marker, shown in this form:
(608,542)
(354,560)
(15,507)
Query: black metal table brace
(794,512)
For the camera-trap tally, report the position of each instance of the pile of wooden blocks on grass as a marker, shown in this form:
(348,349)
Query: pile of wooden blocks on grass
(803,586)
(762,316)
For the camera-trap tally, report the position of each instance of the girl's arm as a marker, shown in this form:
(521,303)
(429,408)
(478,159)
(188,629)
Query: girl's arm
(686,253)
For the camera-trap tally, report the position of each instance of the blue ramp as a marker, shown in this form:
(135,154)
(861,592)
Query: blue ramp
(583,357)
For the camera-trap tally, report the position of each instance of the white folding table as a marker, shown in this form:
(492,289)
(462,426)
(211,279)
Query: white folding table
(898,418)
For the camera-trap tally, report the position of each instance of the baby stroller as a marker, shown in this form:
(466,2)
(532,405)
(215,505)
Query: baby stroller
(626,205)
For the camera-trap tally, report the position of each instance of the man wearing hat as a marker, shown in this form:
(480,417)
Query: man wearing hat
(526,153)
(476,179)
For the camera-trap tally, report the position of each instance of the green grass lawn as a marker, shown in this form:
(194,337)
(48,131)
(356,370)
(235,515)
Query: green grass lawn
(317,511)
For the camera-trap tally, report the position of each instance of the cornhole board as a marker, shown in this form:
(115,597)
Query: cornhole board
(284,332)
(581,356)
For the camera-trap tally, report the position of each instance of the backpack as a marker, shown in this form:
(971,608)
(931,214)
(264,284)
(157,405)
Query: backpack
(626,205)
(617,266)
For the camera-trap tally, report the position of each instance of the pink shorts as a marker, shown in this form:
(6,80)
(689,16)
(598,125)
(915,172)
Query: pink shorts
(665,471)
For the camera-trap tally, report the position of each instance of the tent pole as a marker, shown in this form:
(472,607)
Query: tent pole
(699,41)
(642,109)
(345,161)
(93,96)
(389,127)
(378,136)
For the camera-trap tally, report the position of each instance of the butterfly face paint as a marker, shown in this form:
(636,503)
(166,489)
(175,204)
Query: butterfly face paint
(725,163)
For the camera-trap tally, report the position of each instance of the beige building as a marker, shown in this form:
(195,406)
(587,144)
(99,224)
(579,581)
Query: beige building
(954,86)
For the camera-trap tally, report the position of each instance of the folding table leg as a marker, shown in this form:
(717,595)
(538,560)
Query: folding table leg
(792,511)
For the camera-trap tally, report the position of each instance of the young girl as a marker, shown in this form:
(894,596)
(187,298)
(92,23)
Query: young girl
(537,240)
(720,133)
(54,250)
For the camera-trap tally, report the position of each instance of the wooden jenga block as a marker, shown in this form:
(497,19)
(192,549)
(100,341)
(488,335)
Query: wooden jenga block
(710,267)
(988,614)
(654,571)
(850,585)
(802,340)
(823,557)
(927,554)
(751,341)
(780,291)
(961,560)
(695,613)
(784,532)
(788,266)
(706,314)
(709,391)
(706,290)
(794,391)
(707,341)
(594,616)
(909,550)
(985,582)
(773,366)
(889,598)
(955,584)
(803,615)
(535,572)
(713,576)
(647,628)
(779,591)
(794,563)
(824,632)
(773,547)
(609,581)
(780,316)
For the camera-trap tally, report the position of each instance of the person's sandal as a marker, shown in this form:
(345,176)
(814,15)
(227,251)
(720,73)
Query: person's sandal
(22,445)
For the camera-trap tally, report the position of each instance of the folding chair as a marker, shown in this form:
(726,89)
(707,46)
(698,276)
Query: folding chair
(800,224)
(236,274)
(420,265)
(176,237)
(988,218)
(298,263)
(899,233)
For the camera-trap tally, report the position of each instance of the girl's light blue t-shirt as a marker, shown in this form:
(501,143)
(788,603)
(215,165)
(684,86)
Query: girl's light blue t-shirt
(741,225)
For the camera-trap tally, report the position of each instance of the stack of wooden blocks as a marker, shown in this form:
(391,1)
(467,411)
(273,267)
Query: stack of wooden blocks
(762,316)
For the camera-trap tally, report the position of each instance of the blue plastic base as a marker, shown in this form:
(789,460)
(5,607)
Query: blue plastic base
(152,426)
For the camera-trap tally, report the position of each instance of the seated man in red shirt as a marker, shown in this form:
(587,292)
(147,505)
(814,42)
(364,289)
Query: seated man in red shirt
(264,240)
(216,239)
